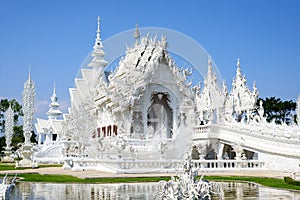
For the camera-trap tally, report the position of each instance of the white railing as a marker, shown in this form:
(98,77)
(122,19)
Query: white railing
(126,166)
(142,166)
(201,129)
(149,164)
(227,165)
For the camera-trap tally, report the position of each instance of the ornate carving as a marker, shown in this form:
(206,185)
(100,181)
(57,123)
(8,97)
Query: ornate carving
(9,124)
(28,109)
(241,99)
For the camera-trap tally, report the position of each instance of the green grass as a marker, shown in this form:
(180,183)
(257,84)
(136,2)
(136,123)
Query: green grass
(7,166)
(49,165)
(269,182)
(71,179)
(12,166)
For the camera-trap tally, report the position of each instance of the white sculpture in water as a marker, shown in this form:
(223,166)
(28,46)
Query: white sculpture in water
(8,183)
(186,186)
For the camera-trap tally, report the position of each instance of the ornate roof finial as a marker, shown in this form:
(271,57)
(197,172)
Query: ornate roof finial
(209,60)
(209,69)
(29,73)
(54,97)
(238,69)
(98,29)
(136,33)
(54,89)
(98,38)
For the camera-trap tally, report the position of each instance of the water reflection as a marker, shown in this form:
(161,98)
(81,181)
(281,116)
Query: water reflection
(251,191)
(145,191)
(84,191)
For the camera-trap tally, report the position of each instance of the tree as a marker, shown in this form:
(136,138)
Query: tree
(278,110)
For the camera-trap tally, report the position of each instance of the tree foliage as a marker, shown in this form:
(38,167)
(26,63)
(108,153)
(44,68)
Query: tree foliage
(278,111)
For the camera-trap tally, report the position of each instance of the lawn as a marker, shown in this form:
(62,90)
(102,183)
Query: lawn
(12,166)
(7,166)
(269,182)
(35,177)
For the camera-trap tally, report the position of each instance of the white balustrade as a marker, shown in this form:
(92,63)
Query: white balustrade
(201,129)
(223,165)
(172,165)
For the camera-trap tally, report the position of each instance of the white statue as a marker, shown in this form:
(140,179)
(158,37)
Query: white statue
(9,124)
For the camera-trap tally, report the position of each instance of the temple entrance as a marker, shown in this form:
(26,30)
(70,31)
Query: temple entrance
(159,117)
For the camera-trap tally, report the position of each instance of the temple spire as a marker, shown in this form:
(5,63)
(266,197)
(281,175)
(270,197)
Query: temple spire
(29,73)
(98,30)
(54,97)
(136,33)
(209,70)
(98,62)
(238,69)
(54,112)
(98,38)
(238,64)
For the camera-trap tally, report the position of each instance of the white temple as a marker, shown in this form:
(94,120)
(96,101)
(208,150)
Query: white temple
(146,114)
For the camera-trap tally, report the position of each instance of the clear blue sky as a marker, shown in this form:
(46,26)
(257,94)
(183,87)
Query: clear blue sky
(53,37)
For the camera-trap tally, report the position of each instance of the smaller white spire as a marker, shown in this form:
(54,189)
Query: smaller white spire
(29,73)
(54,97)
(136,33)
(209,60)
(54,112)
(238,69)
(29,83)
(209,69)
(98,29)
(238,64)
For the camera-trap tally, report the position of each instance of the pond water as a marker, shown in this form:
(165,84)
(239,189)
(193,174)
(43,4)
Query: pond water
(146,191)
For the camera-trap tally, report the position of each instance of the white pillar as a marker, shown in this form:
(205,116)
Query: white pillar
(40,138)
(48,138)
(220,150)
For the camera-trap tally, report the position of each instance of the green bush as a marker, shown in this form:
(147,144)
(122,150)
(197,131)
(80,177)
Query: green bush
(291,181)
